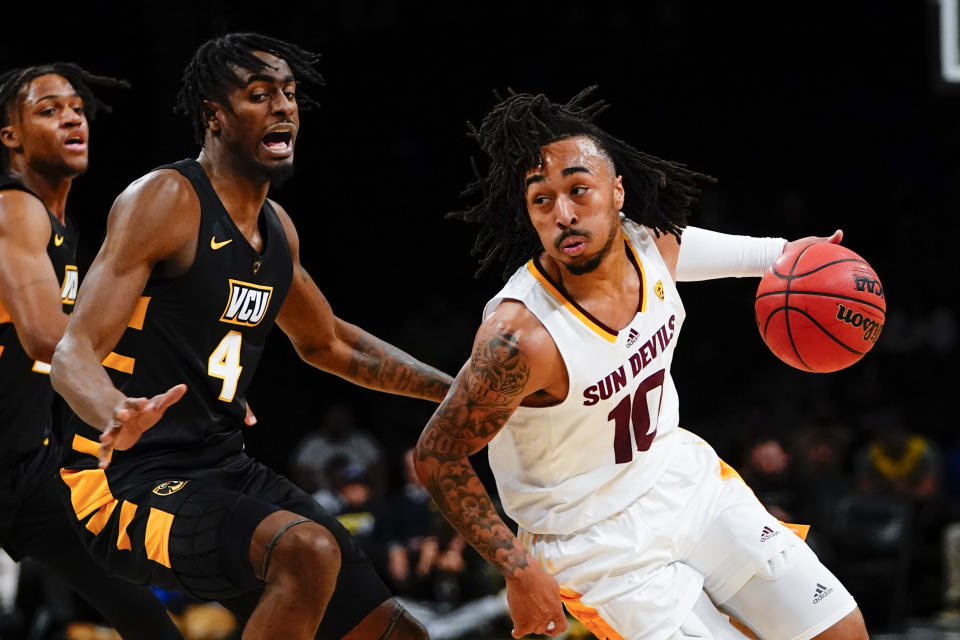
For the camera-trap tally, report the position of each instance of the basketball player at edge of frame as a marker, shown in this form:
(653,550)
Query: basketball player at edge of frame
(196,266)
(634,524)
(44,129)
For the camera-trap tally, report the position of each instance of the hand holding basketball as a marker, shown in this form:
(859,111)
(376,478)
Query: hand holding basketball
(820,307)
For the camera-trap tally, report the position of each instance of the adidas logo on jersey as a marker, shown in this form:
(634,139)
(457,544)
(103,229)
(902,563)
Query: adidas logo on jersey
(767,534)
(821,593)
(632,337)
(246,303)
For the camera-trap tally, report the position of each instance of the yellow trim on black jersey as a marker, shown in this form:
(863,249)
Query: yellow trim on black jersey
(139,313)
(156,540)
(127,511)
(119,362)
(99,520)
(4,315)
(89,490)
(88,446)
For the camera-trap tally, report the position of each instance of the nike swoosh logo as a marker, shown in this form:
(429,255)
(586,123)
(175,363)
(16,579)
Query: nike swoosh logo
(218,245)
(57,239)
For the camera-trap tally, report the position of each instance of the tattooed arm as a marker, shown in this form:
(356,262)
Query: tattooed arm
(513,358)
(329,343)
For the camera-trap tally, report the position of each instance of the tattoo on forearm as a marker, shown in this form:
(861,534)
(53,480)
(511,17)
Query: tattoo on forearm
(477,408)
(377,364)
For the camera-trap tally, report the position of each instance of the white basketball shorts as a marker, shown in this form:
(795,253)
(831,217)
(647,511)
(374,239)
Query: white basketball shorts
(641,573)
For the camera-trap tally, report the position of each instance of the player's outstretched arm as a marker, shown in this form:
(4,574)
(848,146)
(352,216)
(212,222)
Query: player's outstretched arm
(338,347)
(706,255)
(29,292)
(505,367)
(152,221)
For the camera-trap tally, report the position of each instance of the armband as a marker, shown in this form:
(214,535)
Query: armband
(706,255)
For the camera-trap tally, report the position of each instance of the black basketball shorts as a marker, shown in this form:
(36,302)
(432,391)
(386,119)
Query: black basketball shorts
(192,534)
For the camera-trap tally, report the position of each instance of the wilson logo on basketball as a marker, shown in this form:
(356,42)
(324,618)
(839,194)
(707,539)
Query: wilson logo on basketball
(871,328)
(246,303)
(870,285)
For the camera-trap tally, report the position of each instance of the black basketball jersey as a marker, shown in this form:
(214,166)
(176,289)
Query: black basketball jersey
(26,396)
(205,328)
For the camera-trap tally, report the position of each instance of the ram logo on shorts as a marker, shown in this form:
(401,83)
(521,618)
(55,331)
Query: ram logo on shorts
(821,593)
(168,487)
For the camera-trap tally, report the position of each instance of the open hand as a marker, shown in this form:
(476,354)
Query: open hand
(131,418)
(534,599)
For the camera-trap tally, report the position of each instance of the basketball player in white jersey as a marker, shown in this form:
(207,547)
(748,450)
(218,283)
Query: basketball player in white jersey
(633,523)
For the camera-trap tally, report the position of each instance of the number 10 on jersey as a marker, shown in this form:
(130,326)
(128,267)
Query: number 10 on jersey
(636,411)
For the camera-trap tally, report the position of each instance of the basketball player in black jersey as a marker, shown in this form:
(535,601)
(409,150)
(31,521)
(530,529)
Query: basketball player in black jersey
(196,267)
(44,133)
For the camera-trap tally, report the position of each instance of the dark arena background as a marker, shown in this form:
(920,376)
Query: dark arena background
(812,117)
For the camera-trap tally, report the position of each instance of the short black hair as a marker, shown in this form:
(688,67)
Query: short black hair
(210,72)
(659,192)
(82,80)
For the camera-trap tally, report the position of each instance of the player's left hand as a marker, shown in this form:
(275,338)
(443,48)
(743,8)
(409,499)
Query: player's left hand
(249,419)
(131,418)
(836,238)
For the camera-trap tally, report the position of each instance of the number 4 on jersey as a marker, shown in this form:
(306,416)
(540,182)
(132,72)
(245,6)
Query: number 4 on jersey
(636,411)
(224,363)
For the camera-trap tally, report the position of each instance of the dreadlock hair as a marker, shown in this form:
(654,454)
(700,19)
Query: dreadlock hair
(211,71)
(659,192)
(15,79)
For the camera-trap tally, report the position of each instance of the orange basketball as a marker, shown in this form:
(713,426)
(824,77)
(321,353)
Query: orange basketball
(820,307)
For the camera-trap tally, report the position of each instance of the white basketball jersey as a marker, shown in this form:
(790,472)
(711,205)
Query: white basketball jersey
(561,468)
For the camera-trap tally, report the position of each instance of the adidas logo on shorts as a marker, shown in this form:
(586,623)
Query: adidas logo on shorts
(632,337)
(821,593)
(767,534)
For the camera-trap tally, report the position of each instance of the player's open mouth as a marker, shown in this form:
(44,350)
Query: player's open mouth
(278,142)
(75,143)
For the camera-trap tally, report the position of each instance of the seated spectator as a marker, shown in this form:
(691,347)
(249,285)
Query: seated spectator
(356,504)
(899,463)
(820,459)
(768,471)
(336,436)
(425,558)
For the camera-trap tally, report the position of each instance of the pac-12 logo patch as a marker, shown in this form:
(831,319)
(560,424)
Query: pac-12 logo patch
(658,289)
(168,487)
(246,303)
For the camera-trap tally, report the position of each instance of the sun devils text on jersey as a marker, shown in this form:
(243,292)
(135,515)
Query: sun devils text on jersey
(205,328)
(26,396)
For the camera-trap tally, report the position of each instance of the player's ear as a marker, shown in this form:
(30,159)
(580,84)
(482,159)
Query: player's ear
(10,137)
(618,193)
(211,115)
